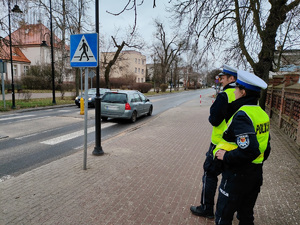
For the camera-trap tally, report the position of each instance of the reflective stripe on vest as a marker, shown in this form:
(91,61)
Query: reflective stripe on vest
(217,132)
(261,124)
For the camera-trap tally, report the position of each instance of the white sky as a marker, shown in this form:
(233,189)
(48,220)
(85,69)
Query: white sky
(145,17)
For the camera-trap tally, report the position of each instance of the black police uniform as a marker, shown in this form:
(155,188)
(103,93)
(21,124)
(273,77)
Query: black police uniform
(241,179)
(218,112)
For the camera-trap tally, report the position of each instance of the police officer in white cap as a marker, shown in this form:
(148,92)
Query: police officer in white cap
(244,148)
(218,113)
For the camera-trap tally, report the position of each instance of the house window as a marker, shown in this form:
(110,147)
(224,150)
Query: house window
(135,60)
(143,61)
(26,68)
(142,71)
(138,80)
(142,79)
(139,70)
(135,70)
(15,70)
(139,61)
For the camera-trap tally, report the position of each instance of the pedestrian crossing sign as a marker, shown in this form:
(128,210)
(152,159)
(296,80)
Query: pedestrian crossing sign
(84,50)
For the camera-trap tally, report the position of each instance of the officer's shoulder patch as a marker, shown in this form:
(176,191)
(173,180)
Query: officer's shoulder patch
(243,141)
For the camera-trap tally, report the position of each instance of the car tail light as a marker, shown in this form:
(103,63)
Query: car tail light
(127,106)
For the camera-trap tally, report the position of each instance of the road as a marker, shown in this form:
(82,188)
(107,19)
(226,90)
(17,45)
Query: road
(31,139)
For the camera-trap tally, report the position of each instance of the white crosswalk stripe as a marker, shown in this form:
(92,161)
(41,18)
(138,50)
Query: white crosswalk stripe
(15,117)
(73,135)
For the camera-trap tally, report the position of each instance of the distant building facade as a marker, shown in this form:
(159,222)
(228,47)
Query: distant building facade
(289,62)
(129,63)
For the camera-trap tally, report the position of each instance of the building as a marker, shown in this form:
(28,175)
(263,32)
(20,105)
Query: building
(20,62)
(129,63)
(31,47)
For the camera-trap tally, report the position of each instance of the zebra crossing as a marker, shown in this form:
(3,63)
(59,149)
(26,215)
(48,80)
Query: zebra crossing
(12,118)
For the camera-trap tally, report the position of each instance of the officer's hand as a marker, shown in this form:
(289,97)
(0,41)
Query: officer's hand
(220,154)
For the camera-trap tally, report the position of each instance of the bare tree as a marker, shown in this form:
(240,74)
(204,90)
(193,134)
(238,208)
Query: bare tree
(249,30)
(132,40)
(167,50)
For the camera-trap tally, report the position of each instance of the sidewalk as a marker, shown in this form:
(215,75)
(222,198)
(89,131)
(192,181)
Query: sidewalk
(150,175)
(35,95)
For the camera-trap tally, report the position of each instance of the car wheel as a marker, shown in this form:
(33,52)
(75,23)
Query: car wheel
(133,117)
(104,118)
(150,111)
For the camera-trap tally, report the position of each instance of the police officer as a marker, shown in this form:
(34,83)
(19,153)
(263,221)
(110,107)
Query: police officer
(218,113)
(244,147)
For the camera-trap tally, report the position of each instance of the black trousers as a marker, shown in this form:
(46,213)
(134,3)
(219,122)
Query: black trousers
(212,168)
(238,193)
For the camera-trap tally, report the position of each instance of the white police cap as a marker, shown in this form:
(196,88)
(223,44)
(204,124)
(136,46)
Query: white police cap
(229,70)
(250,81)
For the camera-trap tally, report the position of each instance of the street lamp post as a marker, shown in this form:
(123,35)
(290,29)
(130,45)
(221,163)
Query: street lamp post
(98,150)
(16,9)
(52,57)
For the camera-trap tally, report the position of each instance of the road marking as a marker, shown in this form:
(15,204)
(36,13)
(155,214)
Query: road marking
(65,110)
(16,117)
(34,134)
(67,137)
(73,135)
(30,119)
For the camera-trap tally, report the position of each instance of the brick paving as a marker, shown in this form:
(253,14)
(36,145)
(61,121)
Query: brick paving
(149,175)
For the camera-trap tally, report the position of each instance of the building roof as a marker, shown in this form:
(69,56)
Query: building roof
(30,35)
(17,54)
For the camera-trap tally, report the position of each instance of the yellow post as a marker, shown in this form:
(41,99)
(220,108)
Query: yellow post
(81,106)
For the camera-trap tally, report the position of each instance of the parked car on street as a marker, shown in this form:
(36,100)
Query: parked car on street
(92,96)
(125,105)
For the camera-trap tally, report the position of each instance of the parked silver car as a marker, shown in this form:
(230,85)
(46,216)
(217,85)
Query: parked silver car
(125,105)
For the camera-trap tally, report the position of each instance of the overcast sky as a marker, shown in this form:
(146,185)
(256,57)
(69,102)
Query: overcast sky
(145,17)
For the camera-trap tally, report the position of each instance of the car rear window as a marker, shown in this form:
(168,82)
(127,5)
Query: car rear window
(115,98)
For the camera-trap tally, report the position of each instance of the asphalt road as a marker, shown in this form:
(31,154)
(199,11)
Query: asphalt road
(31,139)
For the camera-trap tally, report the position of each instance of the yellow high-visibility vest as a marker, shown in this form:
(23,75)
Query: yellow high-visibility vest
(217,131)
(261,124)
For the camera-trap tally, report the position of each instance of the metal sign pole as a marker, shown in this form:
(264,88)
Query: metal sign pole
(81,81)
(3,91)
(3,70)
(83,54)
(86,80)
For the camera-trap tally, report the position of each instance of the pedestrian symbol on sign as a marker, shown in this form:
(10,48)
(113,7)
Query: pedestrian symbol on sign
(84,48)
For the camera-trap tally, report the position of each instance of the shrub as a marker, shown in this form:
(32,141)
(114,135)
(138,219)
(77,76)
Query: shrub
(142,87)
(63,87)
(163,87)
(38,77)
(193,86)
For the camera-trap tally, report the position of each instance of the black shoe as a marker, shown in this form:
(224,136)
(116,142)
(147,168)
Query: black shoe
(198,211)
